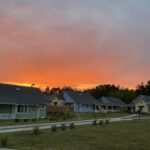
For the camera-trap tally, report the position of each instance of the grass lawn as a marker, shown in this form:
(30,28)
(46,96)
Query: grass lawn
(21,122)
(102,115)
(145,115)
(82,116)
(131,135)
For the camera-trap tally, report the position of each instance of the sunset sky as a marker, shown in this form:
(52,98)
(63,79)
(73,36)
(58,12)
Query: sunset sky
(79,43)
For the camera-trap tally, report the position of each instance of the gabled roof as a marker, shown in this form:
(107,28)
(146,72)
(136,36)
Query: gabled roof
(112,101)
(14,94)
(52,96)
(79,98)
(145,98)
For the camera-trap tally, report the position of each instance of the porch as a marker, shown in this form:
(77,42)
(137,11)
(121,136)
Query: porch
(109,108)
(7,111)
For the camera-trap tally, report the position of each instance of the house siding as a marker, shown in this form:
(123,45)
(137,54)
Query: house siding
(78,107)
(141,103)
(83,108)
(33,112)
(148,108)
(11,112)
(58,101)
(42,112)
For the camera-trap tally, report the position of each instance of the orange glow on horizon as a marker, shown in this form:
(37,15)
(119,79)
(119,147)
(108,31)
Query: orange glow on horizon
(43,86)
(20,84)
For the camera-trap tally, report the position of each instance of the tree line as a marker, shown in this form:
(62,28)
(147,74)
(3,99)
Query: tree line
(127,95)
(110,90)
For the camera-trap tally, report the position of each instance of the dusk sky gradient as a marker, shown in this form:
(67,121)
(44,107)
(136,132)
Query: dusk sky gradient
(79,43)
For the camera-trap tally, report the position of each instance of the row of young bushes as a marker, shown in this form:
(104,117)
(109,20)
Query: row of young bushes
(101,122)
(54,128)
(60,116)
(4,141)
(25,120)
(51,117)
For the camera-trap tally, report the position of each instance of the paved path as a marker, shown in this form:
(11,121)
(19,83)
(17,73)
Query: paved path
(17,128)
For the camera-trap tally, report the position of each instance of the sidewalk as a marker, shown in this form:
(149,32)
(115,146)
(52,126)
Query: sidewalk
(18,128)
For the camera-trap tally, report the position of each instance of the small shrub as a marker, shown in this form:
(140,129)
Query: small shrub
(57,116)
(94,123)
(63,127)
(64,117)
(25,120)
(72,116)
(71,126)
(34,120)
(17,120)
(4,141)
(51,119)
(101,122)
(36,130)
(107,122)
(54,128)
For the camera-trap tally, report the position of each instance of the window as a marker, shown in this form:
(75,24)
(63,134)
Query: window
(22,109)
(42,106)
(55,103)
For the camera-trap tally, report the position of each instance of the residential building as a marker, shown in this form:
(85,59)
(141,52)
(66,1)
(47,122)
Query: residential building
(21,102)
(81,102)
(112,104)
(141,103)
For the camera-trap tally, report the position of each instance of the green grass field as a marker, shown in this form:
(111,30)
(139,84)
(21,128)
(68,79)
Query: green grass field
(83,116)
(131,135)
(102,115)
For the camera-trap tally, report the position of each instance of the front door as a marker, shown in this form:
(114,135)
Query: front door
(141,108)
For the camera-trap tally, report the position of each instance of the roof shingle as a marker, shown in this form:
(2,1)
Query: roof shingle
(81,98)
(112,101)
(145,98)
(14,94)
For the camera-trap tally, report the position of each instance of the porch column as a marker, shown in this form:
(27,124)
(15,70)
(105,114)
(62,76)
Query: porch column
(107,108)
(16,111)
(132,109)
(112,109)
(38,113)
(95,107)
(80,107)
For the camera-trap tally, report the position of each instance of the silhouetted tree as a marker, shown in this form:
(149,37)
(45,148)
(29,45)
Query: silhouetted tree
(113,91)
(103,90)
(47,90)
(55,90)
(143,89)
(67,88)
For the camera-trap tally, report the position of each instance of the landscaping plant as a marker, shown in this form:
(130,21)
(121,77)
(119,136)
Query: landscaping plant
(63,127)
(17,120)
(25,120)
(101,122)
(54,128)
(34,120)
(36,130)
(71,126)
(94,123)
(4,141)
(107,122)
